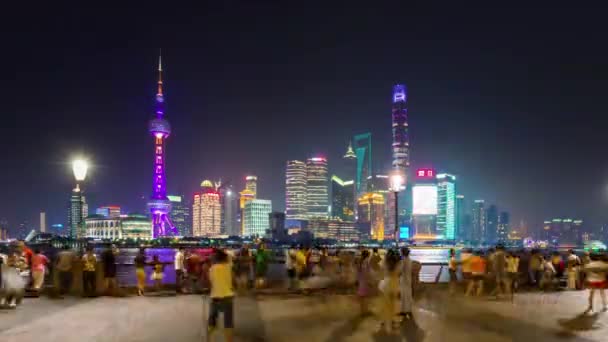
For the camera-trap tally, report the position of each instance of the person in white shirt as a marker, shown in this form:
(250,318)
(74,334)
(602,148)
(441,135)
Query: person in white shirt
(596,271)
(573,262)
(179,269)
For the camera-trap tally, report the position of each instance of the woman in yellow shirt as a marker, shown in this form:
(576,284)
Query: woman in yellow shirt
(222,294)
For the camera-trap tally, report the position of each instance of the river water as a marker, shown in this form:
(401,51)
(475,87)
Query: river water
(126,270)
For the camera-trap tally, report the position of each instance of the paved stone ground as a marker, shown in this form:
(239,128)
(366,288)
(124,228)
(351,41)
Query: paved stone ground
(530,317)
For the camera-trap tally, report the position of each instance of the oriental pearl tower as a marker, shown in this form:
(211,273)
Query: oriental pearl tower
(159,205)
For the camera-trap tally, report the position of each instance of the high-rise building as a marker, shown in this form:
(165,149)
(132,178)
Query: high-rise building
(461,229)
(246,196)
(180,215)
(207,211)
(295,190)
(77,213)
(564,232)
(363,151)
(342,199)
(401,139)
(277,225)
(3,229)
(446,206)
(108,211)
(256,217)
(159,205)
(43,222)
(343,231)
(425,205)
(479,228)
(503,227)
(229,210)
(371,214)
(317,197)
(350,162)
(251,184)
(492,224)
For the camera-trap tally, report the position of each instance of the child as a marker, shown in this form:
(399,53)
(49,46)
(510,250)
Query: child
(157,274)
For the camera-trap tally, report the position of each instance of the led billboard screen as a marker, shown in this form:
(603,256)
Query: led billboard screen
(425,199)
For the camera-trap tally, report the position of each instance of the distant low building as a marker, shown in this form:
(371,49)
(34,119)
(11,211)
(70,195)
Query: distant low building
(114,228)
(338,230)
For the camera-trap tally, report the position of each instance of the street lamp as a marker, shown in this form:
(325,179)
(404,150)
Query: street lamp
(396,183)
(80,167)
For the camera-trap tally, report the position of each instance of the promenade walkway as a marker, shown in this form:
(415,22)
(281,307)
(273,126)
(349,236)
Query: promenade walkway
(530,317)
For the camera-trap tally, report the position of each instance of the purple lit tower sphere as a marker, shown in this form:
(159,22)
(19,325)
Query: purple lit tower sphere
(159,205)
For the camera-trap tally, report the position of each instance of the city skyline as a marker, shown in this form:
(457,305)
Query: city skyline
(476,114)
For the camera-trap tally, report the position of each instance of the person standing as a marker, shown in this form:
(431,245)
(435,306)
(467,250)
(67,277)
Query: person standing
(39,263)
(158,273)
(89,279)
(535,267)
(573,263)
(512,273)
(109,269)
(179,270)
(243,269)
(222,295)
(261,265)
(140,271)
(406,284)
(364,282)
(389,286)
(453,269)
(290,265)
(63,265)
(478,274)
(499,268)
(596,271)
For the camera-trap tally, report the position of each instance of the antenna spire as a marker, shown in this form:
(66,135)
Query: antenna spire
(160,73)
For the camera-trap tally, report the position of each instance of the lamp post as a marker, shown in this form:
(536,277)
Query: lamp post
(396,182)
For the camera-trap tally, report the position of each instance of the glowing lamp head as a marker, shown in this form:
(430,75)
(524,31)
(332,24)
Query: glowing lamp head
(80,168)
(396,182)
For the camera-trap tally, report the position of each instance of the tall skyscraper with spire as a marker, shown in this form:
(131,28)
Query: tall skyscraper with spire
(401,138)
(159,204)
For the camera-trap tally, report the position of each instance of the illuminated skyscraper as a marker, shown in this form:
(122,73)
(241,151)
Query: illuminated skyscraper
(363,151)
(78,211)
(295,190)
(479,228)
(251,184)
(246,196)
(503,227)
(180,215)
(491,224)
(446,206)
(230,225)
(159,205)
(462,230)
(317,199)
(342,199)
(371,213)
(257,219)
(401,139)
(207,211)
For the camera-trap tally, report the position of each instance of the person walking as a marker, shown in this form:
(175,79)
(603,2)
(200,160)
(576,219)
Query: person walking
(13,284)
(453,269)
(535,267)
(158,273)
(222,296)
(548,275)
(499,267)
(89,279)
(63,266)
(261,266)
(596,271)
(512,273)
(406,284)
(364,283)
(109,269)
(389,287)
(39,263)
(573,263)
(243,269)
(179,270)
(478,274)
(290,266)
(140,271)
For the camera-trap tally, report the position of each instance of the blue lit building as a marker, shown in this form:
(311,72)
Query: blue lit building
(446,206)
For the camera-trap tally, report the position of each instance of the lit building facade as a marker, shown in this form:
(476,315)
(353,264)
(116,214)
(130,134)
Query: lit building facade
(295,190)
(207,211)
(114,228)
(317,183)
(461,212)
(230,225)
(504,228)
(446,206)
(339,230)
(246,196)
(491,224)
(77,213)
(363,151)
(108,211)
(159,205)
(180,215)
(425,206)
(256,218)
(251,184)
(371,213)
(564,231)
(479,227)
(401,138)
(342,199)
(277,226)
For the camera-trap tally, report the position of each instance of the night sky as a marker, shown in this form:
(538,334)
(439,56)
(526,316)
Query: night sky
(511,100)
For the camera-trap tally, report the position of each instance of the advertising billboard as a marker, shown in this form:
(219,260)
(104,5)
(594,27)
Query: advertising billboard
(425,199)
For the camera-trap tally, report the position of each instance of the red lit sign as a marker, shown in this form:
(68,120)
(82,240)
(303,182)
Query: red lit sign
(425,173)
